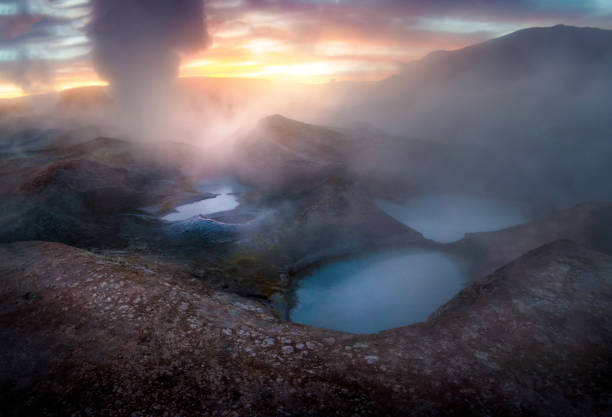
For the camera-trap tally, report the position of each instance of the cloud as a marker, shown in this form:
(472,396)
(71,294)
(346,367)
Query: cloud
(374,33)
(39,36)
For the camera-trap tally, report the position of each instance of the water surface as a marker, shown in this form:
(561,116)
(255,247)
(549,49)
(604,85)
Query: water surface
(447,217)
(379,291)
(225,200)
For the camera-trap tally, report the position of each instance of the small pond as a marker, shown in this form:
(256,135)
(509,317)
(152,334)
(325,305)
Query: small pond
(225,200)
(379,291)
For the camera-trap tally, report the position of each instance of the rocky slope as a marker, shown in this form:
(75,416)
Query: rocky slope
(59,186)
(97,193)
(589,224)
(88,334)
(282,154)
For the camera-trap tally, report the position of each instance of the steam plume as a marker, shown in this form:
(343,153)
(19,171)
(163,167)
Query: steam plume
(136,47)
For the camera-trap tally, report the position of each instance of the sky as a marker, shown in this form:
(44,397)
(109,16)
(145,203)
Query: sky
(46,45)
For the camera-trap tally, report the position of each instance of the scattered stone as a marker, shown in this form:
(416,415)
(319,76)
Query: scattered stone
(371,359)
(268,342)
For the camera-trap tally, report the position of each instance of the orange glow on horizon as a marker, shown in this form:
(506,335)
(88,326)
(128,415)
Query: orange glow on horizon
(301,72)
(9,91)
(235,53)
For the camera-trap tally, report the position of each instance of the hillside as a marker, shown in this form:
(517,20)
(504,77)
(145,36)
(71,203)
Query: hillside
(83,331)
(525,116)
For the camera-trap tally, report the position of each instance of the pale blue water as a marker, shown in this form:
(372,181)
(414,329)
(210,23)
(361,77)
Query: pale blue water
(378,292)
(447,217)
(224,201)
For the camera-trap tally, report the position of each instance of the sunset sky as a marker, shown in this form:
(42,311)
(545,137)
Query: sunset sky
(44,44)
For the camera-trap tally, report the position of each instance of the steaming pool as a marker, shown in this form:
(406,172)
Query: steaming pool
(379,291)
(393,289)
(225,200)
(447,217)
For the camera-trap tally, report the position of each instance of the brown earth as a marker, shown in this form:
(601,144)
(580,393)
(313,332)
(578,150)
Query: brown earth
(92,334)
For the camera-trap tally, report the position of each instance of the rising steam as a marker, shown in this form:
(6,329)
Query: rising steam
(136,47)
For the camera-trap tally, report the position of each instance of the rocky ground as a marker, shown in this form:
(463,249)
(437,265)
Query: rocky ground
(120,313)
(87,334)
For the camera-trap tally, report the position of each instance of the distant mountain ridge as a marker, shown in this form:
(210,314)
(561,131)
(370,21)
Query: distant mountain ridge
(522,51)
(529,115)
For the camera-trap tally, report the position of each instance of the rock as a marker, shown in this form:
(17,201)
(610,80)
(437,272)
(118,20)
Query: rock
(501,346)
(268,342)
(372,359)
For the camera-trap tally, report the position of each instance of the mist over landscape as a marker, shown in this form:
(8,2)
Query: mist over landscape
(305,208)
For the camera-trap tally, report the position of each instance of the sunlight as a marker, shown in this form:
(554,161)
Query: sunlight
(10,91)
